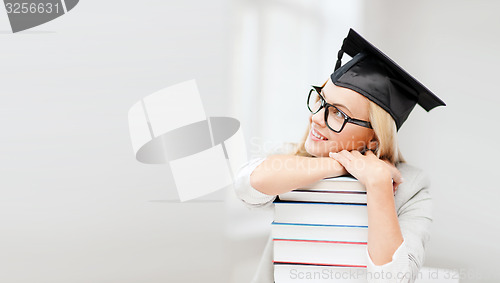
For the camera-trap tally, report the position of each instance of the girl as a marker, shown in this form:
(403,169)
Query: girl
(355,116)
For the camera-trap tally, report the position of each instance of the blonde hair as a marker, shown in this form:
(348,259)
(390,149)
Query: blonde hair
(385,135)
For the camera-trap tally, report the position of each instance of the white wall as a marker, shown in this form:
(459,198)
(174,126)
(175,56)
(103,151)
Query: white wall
(75,206)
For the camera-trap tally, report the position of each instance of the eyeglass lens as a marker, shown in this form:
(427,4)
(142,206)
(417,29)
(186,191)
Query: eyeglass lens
(335,118)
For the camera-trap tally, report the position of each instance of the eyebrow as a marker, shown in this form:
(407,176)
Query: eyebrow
(337,104)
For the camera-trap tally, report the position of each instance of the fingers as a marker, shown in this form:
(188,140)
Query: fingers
(396,176)
(341,158)
(351,160)
(369,152)
(347,154)
(344,153)
(360,165)
(356,153)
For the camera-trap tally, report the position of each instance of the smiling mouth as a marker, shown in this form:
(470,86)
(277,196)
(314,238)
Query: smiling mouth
(317,135)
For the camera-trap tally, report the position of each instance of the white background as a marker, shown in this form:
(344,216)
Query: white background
(75,206)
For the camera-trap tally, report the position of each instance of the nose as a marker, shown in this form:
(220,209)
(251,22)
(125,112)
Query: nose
(319,118)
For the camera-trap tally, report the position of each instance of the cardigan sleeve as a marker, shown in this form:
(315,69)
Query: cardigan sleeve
(415,218)
(244,190)
(250,196)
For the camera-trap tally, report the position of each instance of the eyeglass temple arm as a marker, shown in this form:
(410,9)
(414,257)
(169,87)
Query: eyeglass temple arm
(360,122)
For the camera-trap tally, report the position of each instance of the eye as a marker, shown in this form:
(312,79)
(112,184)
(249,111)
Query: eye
(334,111)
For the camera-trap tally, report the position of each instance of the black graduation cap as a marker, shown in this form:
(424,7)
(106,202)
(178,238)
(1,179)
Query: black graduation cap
(376,76)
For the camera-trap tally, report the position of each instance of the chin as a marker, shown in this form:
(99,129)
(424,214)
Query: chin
(314,150)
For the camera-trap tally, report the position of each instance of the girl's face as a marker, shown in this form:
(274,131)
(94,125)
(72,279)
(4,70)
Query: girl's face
(352,137)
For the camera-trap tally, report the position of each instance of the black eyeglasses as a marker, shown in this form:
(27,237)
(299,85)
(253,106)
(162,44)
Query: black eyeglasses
(335,119)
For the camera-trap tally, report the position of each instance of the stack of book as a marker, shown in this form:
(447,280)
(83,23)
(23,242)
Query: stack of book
(320,232)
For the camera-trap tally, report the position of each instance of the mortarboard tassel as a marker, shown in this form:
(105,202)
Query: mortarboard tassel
(339,59)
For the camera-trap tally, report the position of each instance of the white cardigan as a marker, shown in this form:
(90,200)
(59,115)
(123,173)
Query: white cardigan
(413,205)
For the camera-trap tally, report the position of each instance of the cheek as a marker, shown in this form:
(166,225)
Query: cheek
(348,139)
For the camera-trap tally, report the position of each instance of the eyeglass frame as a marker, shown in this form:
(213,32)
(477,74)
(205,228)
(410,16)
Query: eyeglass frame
(324,104)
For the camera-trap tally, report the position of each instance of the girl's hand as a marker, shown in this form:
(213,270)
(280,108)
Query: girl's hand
(368,168)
